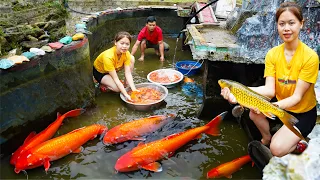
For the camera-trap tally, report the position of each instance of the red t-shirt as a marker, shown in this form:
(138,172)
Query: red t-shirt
(154,37)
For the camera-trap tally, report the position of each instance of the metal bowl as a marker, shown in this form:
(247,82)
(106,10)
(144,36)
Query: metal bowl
(150,106)
(167,71)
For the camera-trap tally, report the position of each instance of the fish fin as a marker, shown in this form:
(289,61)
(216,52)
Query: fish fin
(199,136)
(166,154)
(140,144)
(269,115)
(104,132)
(289,121)
(138,139)
(58,115)
(171,154)
(30,136)
(214,124)
(229,176)
(154,116)
(155,167)
(78,150)
(93,137)
(74,113)
(46,164)
(17,170)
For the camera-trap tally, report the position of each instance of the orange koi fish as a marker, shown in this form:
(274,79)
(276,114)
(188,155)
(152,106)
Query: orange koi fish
(145,155)
(34,139)
(228,168)
(188,80)
(135,129)
(57,148)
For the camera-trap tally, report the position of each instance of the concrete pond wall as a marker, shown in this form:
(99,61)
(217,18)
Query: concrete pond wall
(105,26)
(33,92)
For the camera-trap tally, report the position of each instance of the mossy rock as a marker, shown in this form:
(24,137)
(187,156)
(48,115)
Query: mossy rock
(57,34)
(6,23)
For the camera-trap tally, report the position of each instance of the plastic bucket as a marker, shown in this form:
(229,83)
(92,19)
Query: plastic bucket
(185,67)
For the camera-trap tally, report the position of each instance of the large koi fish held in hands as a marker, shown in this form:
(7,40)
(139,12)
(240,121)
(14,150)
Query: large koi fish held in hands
(251,99)
(34,139)
(228,168)
(135,129)
(145,155)
(57,148)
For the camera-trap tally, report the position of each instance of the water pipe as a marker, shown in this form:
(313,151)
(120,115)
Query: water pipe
(185,25)
(214,1)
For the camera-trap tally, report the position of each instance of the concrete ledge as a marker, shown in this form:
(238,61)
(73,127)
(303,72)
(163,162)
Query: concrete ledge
(109,22)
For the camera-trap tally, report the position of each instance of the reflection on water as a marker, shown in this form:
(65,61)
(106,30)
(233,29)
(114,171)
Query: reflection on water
(192,161)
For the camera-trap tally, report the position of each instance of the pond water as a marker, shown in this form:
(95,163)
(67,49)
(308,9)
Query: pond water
(192,161)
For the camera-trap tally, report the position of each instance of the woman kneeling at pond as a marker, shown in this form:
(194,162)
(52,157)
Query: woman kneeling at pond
(110,61)
(291,71)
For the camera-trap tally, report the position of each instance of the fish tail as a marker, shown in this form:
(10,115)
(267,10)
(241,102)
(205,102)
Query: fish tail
(289,121)
(103,130)
(74,113)
(214,124)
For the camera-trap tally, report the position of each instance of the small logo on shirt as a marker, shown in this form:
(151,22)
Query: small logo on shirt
(286,81)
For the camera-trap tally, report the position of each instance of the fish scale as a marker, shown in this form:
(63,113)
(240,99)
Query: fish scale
(251,99)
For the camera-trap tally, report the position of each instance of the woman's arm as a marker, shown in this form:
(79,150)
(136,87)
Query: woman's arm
(116,79)
(300,90)
(268,89)
(129,78)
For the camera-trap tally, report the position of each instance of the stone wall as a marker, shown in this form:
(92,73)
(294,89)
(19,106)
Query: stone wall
(14,12)
(100,5)
(55,82)
(21,19)
(105,26)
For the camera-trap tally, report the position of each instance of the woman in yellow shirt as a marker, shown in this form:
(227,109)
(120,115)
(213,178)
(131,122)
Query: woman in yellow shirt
(110,61)
(291,71)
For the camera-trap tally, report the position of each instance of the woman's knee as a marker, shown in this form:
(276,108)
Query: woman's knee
(277,149)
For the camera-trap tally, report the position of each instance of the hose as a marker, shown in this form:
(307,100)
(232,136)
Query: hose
(185,25)
(195,15)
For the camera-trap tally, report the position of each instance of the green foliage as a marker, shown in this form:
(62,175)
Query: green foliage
(60,9)
(1,32)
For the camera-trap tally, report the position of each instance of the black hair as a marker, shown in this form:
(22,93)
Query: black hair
(151,19)
(292,7)
(122,34)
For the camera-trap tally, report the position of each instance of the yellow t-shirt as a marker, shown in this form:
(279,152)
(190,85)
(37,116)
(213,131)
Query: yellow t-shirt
(108,61)
(304,65)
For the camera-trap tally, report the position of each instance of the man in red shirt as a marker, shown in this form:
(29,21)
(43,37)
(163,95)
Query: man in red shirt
(150,37)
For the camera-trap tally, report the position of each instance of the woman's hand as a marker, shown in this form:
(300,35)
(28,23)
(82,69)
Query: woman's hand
(226,94)
(255,110)
(277,104)
(128,97)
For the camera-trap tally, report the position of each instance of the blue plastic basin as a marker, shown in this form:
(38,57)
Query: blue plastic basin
(185,66)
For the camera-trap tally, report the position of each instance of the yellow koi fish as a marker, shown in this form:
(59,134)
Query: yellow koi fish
(251,99)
